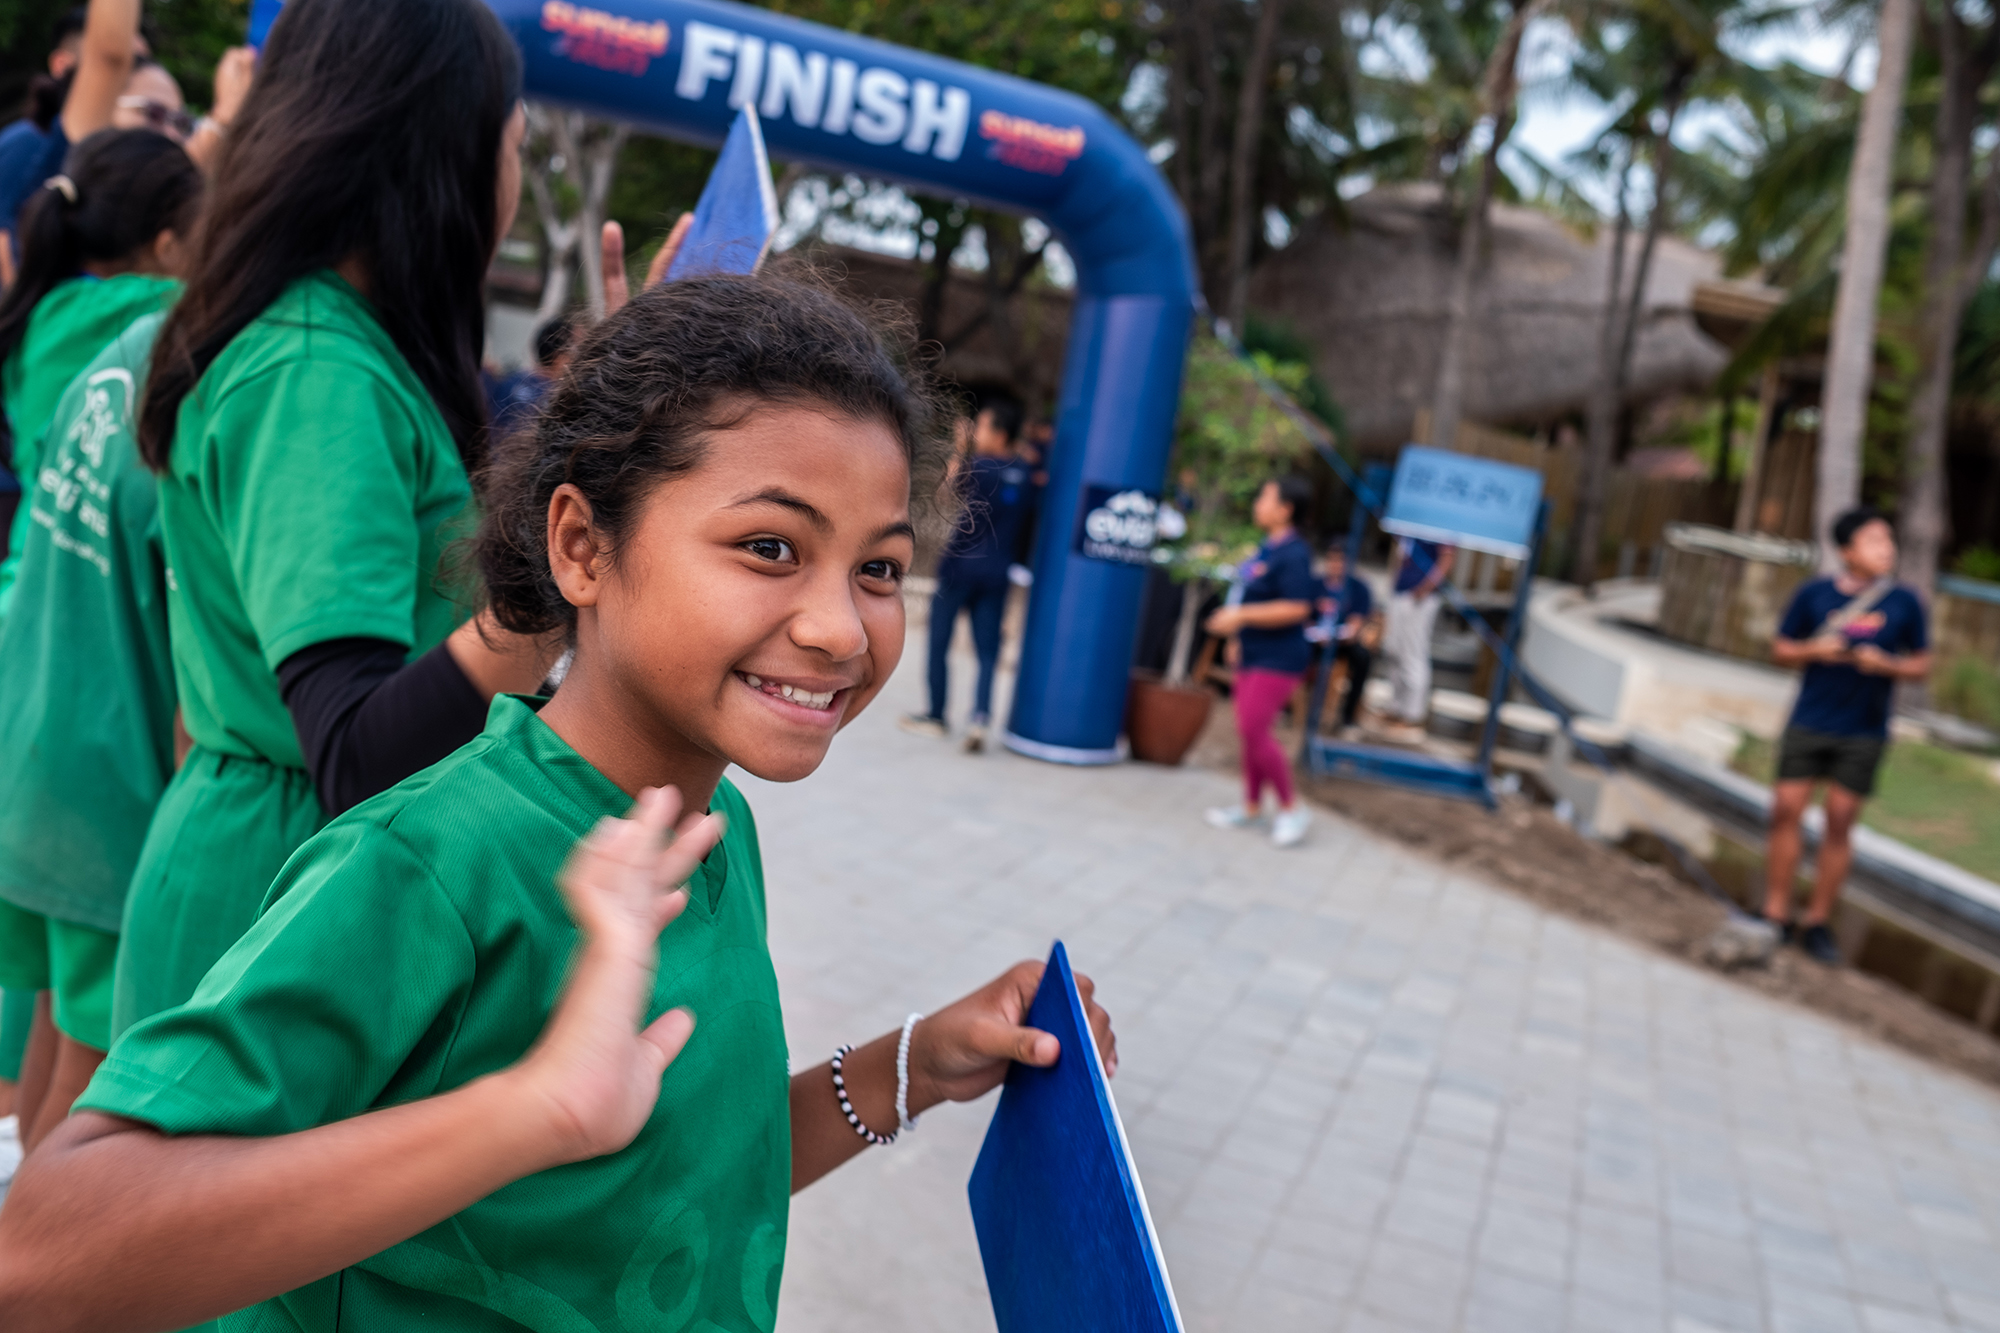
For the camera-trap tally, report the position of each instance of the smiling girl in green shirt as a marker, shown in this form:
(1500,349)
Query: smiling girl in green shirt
(314,413)
(429,1088)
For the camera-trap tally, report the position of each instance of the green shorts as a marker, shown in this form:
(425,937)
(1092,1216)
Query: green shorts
(75,962)
(1851,761)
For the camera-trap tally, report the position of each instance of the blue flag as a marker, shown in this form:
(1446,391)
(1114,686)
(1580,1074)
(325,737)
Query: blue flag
(1063,1227)
(263,13)
(737,216)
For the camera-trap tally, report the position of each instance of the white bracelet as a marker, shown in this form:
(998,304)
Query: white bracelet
(904,1120)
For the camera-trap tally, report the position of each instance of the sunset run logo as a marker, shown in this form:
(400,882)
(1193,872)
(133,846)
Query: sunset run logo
(603,41)
(1029,144)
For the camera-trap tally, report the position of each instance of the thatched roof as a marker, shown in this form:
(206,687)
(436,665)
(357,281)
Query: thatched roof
(1371,299)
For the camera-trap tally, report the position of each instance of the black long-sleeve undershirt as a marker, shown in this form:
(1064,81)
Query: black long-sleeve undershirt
(366,719)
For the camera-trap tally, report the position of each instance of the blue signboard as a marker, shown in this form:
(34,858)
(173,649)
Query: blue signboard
(1464,501)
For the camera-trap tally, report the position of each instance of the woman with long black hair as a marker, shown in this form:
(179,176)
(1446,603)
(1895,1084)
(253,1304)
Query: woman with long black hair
(314,414)
(97,246)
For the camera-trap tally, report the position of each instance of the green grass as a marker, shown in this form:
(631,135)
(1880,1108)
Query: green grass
(1943,802)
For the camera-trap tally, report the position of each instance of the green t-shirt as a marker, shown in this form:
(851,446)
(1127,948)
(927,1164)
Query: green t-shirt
(310,494)
(67,328)
(87,696)
(419,942)
(311,491)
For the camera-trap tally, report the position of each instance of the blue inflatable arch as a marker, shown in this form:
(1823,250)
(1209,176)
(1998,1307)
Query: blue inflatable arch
(834,100)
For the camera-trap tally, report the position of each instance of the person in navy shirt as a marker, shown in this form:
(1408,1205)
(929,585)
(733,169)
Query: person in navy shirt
(1418,568)
(1856,634)
(1344,607)
(972,575)
(1268,621)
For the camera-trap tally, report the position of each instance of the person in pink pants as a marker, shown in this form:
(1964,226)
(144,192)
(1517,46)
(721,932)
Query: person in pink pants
(1267,616)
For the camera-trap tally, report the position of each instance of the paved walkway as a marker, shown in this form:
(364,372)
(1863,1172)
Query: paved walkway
(1366,1093)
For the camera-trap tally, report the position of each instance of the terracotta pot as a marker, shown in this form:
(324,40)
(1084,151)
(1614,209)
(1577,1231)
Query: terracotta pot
(1162,720)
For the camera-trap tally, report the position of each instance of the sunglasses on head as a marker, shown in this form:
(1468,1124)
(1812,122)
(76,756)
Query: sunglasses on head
(171,121)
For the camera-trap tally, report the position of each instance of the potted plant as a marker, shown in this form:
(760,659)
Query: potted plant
(1230,439)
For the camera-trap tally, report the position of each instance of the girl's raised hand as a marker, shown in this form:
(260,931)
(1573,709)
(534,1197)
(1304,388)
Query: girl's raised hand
(962,1052)
(595,1070)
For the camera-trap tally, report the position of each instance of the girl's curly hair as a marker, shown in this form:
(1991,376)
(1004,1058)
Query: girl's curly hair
(649,383)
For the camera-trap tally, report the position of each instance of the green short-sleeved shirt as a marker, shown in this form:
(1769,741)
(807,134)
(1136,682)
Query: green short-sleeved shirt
(419,942)
(87,694)
(67,328)
(310,495)
(311,491)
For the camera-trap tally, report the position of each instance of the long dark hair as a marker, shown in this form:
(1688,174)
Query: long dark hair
(372,131)
(120,189)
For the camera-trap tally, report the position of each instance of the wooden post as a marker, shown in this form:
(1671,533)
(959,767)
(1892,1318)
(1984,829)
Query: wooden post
(1760,441)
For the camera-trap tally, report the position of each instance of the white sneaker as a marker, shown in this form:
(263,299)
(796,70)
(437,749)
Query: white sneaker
(1289,828)
(975,738)
(923,724)
(1231,816)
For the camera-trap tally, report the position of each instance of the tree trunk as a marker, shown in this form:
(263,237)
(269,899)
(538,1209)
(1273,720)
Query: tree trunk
(1179,90)
(600,160)
(563,144)
(1448,397)
(1850,360)
(1656,225)
(1601,419)
(1211,170)
(1607,403)
(1183,653)
(1243,161)
(1922,520)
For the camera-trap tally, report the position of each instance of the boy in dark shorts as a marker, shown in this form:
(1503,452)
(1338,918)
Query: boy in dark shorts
(1856,634)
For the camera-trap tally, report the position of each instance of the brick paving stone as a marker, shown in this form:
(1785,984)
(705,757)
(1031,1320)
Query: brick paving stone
(1366,1092)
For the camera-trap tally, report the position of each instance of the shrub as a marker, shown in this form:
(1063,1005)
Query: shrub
(1968,688)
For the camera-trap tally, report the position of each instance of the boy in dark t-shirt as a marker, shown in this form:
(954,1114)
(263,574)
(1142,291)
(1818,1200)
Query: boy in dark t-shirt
(1856,634)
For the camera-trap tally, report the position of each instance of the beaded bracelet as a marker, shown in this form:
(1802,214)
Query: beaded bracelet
(847,1107)
(904,1120)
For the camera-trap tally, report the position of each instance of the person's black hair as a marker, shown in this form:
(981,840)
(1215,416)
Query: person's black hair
(1336,545)
(648,385)
(553,339)
(1296,493)
(129,186)
(46,95)
(1006,414)
(1854,520)
(70,23)
(372,132)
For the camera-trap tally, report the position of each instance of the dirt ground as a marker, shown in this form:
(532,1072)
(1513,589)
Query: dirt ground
(1524,848)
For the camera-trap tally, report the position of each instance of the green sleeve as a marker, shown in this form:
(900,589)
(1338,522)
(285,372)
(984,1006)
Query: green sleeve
(311,473)
(359,966)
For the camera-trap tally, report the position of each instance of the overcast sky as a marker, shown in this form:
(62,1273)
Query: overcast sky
(1555,123)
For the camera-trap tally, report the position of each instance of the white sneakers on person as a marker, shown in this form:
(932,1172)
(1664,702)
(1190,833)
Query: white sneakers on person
(1232,816)
(1289,828)
(975,738)
(923,724)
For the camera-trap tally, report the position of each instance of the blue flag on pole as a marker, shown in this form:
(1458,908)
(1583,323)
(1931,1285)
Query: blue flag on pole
(1063,1227)
(737,216)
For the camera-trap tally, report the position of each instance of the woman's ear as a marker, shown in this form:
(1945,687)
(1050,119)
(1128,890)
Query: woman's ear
(576,552)
(169,254)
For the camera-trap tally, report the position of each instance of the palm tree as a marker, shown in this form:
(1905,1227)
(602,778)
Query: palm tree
(1657,59)
(1498,105)
(1966,58)
(1851,345)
